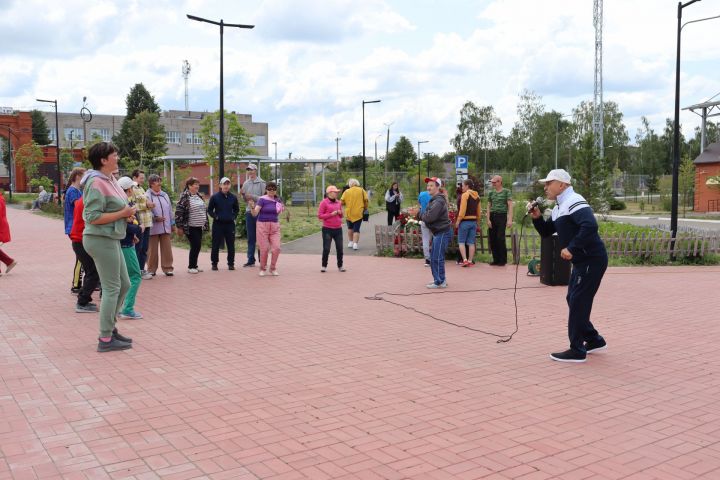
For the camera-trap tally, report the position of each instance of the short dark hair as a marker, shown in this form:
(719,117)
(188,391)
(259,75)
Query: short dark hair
(136,173)
(154,178)
(191,181)
(271,184)
(76,172)
(99,151)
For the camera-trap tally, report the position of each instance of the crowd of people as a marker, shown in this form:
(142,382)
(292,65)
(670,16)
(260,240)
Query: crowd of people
(120,233)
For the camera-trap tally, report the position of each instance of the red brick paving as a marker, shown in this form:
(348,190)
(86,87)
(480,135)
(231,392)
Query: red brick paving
(238,377)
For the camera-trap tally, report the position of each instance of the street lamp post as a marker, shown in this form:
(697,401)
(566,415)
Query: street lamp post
(387,146)
(419,162)
(222,25)
(557,129)
(376,155)
(57,149)
(363,133)
(676,136)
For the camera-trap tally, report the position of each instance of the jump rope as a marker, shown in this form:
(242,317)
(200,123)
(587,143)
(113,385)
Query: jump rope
(500,337)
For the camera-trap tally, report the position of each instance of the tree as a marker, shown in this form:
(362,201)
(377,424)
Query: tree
(40,130)
(5,151)
(402,156)
(29,156)
(66,161)
(591,176)
(478,131)
(237,139)
(141,137)
(686,181)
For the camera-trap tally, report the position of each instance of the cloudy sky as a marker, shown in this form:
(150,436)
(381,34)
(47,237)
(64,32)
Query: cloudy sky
(308,64)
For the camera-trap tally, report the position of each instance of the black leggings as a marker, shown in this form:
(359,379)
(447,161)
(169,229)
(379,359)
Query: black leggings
(92,279)
(195,239)
(328,235)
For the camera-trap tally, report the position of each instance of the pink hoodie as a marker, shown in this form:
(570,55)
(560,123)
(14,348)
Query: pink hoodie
(327,215)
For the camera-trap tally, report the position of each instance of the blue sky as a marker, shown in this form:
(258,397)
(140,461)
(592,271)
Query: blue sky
(307,65)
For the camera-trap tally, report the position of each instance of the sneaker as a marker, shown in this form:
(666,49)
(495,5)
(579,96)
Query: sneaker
(596,345)
(116,335)
(568,356)
(274,273)
(249,264)
(11,266)
(169,274)
(153,274)
(113,344)
(262,272)
(145,275)
(427,262)
(193,270)
(342,269)
(214,267)
(354,246)
(231,267)
(75,291)
(466,263)
(350,244)
(443,285)
(131,315)
(435,285)
(89,308)
(323,269)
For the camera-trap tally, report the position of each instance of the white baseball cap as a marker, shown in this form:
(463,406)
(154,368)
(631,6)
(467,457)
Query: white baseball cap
(224,180)
(125,182)
(558,174)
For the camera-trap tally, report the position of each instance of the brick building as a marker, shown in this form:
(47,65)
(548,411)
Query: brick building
(707,165)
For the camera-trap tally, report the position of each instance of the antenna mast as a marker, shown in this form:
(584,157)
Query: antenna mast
(186,74)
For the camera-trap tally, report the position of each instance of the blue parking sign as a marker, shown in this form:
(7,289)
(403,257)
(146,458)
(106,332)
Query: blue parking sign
(461,161)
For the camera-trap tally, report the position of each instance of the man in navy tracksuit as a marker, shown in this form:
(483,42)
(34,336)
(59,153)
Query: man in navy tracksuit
(223,208)
(577,229)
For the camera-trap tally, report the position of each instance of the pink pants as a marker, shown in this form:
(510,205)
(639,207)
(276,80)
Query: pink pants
(268,239)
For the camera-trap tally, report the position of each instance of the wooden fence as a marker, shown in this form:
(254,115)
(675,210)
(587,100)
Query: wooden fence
(630,244)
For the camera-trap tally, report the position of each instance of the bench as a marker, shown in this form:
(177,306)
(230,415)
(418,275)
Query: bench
(301,198)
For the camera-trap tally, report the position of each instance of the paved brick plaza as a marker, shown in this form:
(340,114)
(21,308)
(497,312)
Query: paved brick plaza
(238,377)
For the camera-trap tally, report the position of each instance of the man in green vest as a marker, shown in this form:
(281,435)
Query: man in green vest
(499,217)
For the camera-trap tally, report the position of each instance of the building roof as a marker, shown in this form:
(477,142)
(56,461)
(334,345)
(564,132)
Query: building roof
(710,155)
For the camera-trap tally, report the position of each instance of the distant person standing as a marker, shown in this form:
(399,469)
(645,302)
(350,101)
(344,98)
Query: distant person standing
(133,234)
(393,201)
(223,207)
(5,235)
(72,194)
(144,217)
(355,200)
(267,210)
(91,279)
(499,217)
(162,229)
(331,213)
(437,219)
(191,220)
(424,200)
(251,190)
(468,221)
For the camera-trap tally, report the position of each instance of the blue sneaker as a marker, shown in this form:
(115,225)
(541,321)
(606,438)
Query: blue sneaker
(131,315)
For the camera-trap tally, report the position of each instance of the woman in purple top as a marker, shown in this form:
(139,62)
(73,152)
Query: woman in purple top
(267,210)
(161,230)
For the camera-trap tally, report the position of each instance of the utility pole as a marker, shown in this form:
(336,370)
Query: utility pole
(387,147)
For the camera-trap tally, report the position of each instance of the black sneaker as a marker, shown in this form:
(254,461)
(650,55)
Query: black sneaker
(75,291)
(246,265)
(568,356)
(214,267)
(122,338)
(596,345)
(87,308)
(169,274)
(427,262)
(231,267)
(113,344)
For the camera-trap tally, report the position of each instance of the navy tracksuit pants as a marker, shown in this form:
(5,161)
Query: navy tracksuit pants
(584,283)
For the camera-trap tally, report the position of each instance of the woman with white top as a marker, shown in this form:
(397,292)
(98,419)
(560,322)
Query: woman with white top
(191,220)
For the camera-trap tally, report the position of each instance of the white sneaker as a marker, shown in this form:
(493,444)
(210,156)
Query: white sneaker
(274,273)
(146,275)
(323,269)
(193,270)
(262,273)
(354,246)
(350,244)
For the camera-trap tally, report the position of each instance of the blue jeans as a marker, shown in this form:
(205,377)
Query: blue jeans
(440,243)
(250,224)
(466,232)
(141,248)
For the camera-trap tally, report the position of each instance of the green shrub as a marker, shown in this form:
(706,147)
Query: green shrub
(52,208)
(616,204)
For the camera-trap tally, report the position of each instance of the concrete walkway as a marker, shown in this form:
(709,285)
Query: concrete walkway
(233,376)
(312,244)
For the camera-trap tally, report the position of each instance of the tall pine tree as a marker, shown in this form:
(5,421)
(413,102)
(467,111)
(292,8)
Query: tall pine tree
(142,137)
(40,130)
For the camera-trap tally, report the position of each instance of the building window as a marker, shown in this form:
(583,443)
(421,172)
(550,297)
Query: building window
(75,133)
(192,138)
(172,137)
(51,136)
(103,133)
(258,141)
